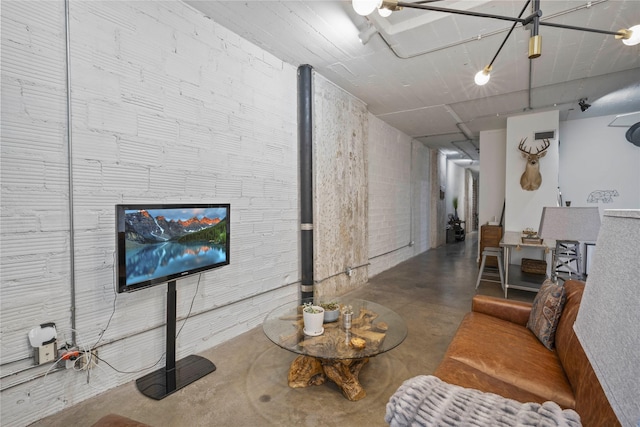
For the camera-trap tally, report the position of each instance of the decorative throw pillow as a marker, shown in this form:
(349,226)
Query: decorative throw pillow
(546,311)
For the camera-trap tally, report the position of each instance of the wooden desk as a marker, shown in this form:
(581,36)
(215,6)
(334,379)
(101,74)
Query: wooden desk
(514,277)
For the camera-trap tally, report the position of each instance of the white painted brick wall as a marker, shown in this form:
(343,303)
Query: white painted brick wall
(394,174)
(167,107)
(34,239)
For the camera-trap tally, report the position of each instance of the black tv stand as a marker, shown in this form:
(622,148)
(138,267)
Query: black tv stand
(175,375)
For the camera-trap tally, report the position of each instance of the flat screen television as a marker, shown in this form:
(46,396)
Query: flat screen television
(158,243)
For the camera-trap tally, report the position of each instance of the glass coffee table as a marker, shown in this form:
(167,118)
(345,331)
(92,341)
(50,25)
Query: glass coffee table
(340,352)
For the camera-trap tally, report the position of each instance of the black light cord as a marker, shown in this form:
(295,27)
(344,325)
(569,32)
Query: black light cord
(509,33)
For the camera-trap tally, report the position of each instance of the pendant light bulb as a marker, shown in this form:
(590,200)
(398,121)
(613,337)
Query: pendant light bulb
(634,36)
(365,7)
(482,77)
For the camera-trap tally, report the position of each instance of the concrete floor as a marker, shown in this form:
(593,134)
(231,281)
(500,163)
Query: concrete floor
(432,292)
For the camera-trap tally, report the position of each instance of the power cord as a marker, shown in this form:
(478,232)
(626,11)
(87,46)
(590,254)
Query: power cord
(130,372)
(190,307)
(195,294)
(86,353)
(115,299)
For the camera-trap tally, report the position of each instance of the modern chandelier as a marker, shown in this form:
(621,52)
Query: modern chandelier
(629,37)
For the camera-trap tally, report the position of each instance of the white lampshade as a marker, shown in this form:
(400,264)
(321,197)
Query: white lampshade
(609,315)
(580,224)
(365,7)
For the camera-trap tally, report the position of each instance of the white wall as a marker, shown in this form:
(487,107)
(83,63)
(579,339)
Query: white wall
(438,215)
(421,198)
(167,107)
(524,208)
(455,188)
(492,175)
(398,196)
(596,158)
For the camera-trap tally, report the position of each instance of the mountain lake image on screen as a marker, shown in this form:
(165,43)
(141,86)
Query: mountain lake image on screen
(159,243)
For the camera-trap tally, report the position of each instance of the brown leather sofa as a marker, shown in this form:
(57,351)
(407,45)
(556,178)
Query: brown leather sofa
(493,351)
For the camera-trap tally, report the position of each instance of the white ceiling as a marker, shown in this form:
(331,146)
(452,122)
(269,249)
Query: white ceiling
(416,72)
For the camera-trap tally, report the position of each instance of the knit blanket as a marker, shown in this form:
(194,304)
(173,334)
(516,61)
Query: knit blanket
(426,400)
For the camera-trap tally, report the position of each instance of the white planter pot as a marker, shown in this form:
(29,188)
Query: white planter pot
(313,321)
(331,316)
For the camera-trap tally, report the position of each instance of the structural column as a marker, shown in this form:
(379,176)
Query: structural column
(305,140)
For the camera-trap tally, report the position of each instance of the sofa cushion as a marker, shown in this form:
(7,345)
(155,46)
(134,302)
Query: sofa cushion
(501,357)
(545,312)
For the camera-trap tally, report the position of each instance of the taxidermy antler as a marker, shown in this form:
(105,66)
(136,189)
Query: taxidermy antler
(531,178)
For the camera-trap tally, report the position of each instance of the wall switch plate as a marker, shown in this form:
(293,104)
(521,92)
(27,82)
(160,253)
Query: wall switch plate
(46,353)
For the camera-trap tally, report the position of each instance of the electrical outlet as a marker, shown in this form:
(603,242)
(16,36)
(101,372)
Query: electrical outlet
(46,353)
(88,360)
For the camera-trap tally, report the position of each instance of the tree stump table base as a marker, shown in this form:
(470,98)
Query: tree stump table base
(307,370)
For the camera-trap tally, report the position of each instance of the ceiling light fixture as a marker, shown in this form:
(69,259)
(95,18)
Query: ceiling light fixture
(629,36)
(584,106)
(482,77)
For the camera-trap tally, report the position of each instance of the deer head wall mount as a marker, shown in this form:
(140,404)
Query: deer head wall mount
(531,178)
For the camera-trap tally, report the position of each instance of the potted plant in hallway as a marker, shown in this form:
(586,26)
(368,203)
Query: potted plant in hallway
(455,208)
(313,318)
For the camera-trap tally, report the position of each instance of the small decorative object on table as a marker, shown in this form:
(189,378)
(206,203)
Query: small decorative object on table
(347,314)
(357,343)
(331,311)
(530,236)
(313,317)
(533,266)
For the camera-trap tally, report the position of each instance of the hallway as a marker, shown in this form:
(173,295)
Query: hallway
(432,292)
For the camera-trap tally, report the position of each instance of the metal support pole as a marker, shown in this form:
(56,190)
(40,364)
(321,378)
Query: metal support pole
(305,140)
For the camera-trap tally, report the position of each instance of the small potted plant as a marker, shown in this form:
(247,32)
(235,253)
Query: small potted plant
(331,311)
(455,208)
(313,318)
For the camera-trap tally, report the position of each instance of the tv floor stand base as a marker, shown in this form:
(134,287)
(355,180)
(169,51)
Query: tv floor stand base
(176,374)
(163,382)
